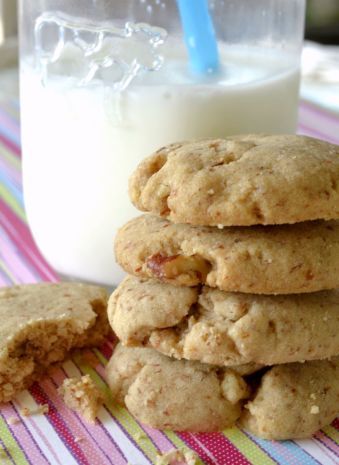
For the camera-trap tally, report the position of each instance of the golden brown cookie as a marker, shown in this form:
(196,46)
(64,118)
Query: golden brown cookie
(294,400)
(41,323)
(222,328)
(262,260)
(171,394)
(240,181)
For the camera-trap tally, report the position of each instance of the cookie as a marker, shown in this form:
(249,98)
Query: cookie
(171,394)
(294,400)
(221,328)
(41,323)
(240,181)
(283,259)
(82,396)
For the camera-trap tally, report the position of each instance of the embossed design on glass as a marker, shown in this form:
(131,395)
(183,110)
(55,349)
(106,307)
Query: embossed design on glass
(105,83)
(123,52)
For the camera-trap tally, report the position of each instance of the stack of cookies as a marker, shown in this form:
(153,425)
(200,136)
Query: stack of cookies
(230,311)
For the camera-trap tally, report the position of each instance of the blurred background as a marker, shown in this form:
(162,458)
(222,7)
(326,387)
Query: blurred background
(322,21)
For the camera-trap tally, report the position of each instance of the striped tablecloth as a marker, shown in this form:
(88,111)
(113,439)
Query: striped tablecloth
(60,437)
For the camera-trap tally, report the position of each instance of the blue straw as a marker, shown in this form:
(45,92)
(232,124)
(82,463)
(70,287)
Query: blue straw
(199,35)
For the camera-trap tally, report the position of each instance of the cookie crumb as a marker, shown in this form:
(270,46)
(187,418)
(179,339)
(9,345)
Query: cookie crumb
(234,387)
(41,409)
(13,420)
(139,436)
(220,226)
(25,412)
(78,439)
(210,192)
(44,408)
(188,457)
(82,396)
(313,396)
(314,410)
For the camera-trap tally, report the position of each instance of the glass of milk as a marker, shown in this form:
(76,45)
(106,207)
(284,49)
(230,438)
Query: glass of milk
(104,83)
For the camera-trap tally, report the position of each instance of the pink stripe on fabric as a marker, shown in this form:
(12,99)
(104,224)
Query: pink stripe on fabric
(23,437)
(161,441)
(331,459)
(308,131)
(42,436)
(15,264)
(10,172)
(214,446)
(330,444)
(107,349)
(4,280)
(12,125)
(21,236)
(88,432)
(10,145)
(289,458)
(330,130)
(116,421)
(320,112)
(57,424)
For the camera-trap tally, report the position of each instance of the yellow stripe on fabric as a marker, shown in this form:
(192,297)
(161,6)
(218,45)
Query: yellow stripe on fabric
(120,413)
(11,445)
(332,433)
(247,447)
(6,196)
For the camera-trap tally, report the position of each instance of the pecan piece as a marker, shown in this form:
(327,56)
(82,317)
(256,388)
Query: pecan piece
(186,270)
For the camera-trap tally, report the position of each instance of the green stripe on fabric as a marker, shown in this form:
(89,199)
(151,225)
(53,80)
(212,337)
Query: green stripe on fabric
(247,447)
(120,413)
(6,196)
(11,445)
(100,357)
(332,433)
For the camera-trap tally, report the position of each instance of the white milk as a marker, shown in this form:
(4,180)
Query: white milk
(81,143)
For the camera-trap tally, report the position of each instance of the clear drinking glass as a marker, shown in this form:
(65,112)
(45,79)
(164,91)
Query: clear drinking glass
(106,82)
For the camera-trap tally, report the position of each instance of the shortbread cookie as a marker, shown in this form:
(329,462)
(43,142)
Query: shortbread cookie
(222,328)
(262,260)
(170,394)
(41,323)
(82,396)
(240,181)
(294,400)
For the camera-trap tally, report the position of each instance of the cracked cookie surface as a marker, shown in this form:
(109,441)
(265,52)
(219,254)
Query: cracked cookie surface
(221,328)
(171,394)
(294,400)
(284,259)
(240,181)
